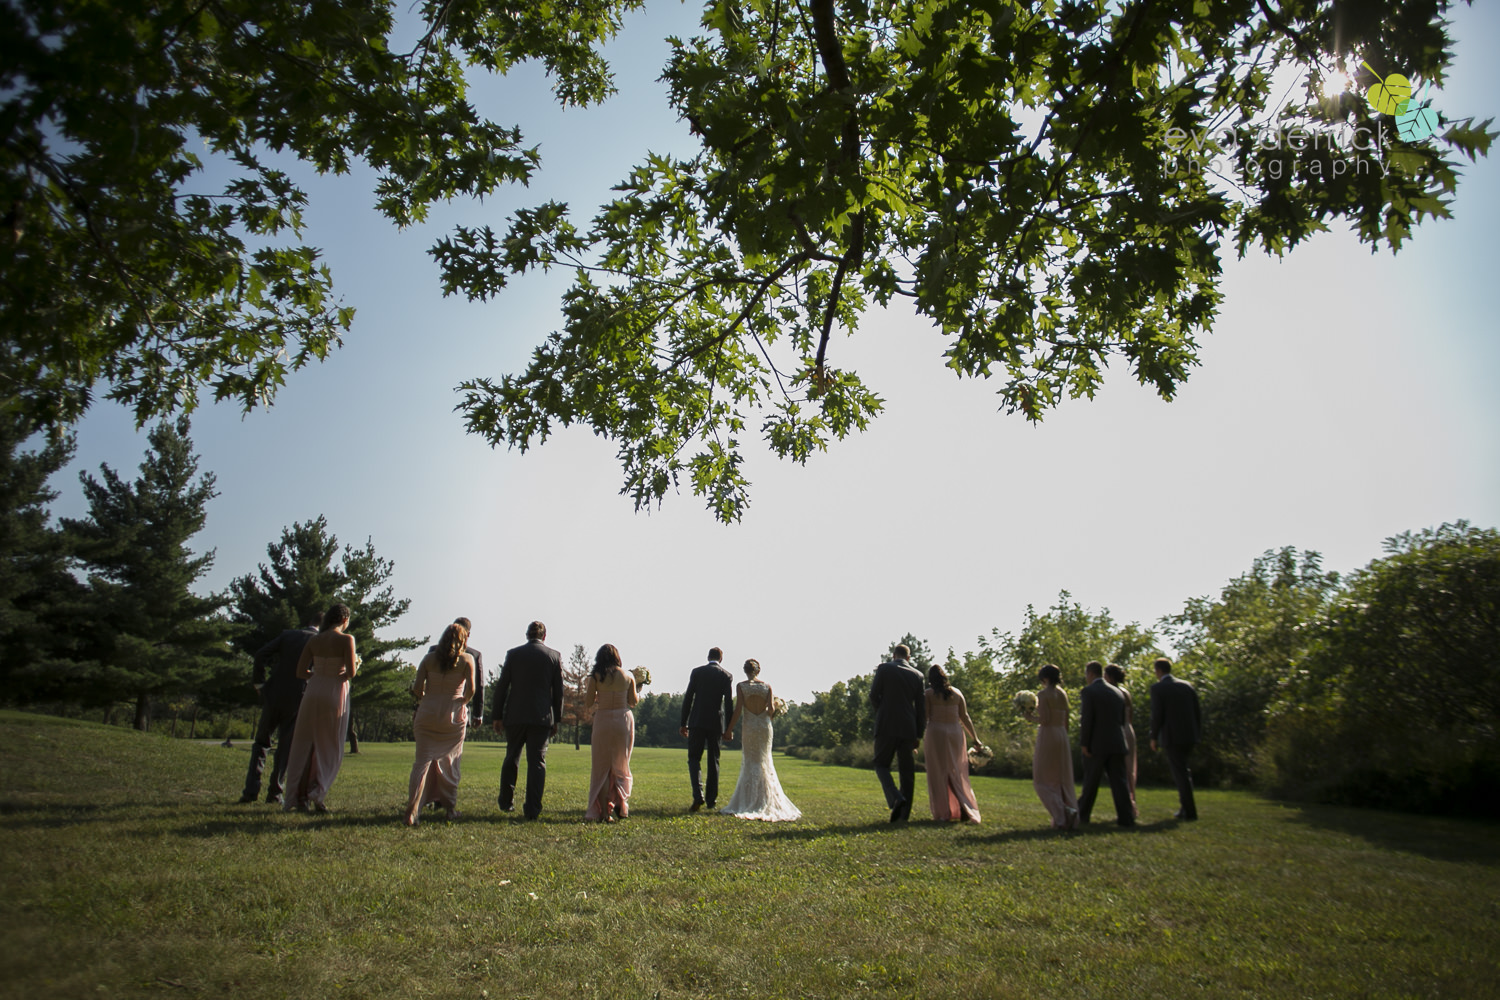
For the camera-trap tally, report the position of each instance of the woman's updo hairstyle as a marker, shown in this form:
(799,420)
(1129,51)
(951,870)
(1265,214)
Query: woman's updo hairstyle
(937,679)
(1050,673)
(607,659)
(451,645)
(752,669)
(337,614)
(1115,674)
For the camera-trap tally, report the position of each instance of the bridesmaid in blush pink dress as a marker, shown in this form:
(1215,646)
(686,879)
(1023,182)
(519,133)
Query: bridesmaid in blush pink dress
(445,683)
(943,748)
(328,662)
(1052,760)
(612,693)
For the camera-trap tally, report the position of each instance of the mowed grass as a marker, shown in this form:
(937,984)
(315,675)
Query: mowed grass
(128,870)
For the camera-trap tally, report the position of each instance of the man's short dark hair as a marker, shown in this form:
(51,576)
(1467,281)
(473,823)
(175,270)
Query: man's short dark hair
(1093,668)
(1162,665)
(902,651)
(468,625)
(716,655)
(536,631)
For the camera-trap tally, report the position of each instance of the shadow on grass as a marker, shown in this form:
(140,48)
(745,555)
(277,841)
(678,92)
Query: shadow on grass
(1086,830)
(1466,841)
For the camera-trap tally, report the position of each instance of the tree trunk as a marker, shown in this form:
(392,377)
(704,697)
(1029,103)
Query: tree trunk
(143,713)
(176,714)
(193,729)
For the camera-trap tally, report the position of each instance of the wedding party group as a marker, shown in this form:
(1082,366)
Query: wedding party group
(303,678)
(1106,737)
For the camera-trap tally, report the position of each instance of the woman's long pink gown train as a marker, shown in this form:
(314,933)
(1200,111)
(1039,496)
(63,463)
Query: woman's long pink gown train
(948,790)
(613,739)
(1052,760)
(317,750)
(439,725)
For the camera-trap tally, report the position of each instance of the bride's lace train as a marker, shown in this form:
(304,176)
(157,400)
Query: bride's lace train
(758,794)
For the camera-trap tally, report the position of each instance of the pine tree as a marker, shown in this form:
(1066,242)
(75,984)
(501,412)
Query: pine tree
(147,634)
(35,585)
(307,573)
(301,580)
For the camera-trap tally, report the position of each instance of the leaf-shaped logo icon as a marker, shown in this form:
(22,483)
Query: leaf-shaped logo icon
(1389,94)
(1416,122)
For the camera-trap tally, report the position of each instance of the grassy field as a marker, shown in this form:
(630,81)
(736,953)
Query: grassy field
(128,870)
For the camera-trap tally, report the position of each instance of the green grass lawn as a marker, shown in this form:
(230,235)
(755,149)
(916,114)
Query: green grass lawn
(128,870)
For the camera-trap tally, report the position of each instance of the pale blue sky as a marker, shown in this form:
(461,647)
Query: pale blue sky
(1342,398)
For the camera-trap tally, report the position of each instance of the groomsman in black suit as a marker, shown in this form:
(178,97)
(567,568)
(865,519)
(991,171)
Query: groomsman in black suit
(707,707)
(280,697)
(1101,733)
(528,708)
(1176,724)
(897,692)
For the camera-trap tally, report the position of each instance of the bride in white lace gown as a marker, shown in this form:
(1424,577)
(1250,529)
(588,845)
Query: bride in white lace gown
(757,794)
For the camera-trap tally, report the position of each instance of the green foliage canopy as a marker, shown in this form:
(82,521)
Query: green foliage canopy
(1009,168)
(1242,648)
(146,228)
(1396,701)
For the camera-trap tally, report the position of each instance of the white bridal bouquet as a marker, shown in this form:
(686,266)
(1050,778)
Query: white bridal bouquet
(1025,701)
(642,676)
(778,705)
(980,755)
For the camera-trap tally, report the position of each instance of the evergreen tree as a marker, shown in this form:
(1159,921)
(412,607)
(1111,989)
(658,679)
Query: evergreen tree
(301,580)
(307,572)
(148,635)
(35,585)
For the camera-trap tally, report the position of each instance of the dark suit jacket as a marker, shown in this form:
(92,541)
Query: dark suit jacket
(531,687)
(896,692)
(1101,725)
(1175,717)
(282,653)
(476,706)
(709,700)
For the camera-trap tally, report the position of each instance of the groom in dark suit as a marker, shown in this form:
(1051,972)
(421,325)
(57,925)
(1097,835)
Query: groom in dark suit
(280,697)
(1101,734)
(528,708)
(1176,724)
(896,692)
(707,707)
